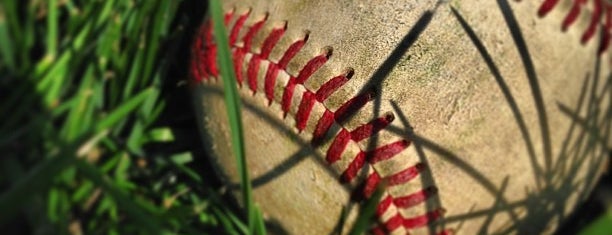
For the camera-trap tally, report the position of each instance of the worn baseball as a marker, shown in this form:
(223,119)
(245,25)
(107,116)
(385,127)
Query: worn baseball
(473,117)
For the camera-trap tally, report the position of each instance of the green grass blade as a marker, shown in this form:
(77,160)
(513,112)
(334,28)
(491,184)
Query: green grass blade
(36,180)
(52,34)
(123,110)
(6,44)
(367,212)
(602,225)
(136,212)
(226,222)
(232,101)
(260,225)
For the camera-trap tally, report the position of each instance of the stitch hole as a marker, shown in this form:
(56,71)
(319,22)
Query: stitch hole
(420,166)
(327,51)
(306,35)
(389,116)
(284,24)
(349,72)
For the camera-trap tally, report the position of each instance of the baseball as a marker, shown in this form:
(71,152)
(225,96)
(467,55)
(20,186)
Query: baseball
(477,116)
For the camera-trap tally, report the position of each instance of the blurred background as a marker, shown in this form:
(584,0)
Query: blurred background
(97,135)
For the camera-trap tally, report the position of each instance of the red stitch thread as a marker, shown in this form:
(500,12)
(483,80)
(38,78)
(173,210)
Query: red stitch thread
(546,7)
(588,34)
(388,151)
(406,175)
(238,57)
(359,161)
(351,171)
(367,188)
(292,51)
(371,128)
(237,26)
(394,222)
(308,101)
(337,147)
(239,52)
(270,81)
(415,198)
(274,68)
(423,220)
(271,41)
(252,71)
(384,205)
(414,222)
(572,15)
(323,125)
(210,53)
(313,65)
(353,105)
(253,66)
(228,17)
(266,49)
(332,85)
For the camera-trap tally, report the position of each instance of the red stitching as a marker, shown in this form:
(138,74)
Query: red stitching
(371,128)
(368,187)
(203,66)
(332,85)
(354,167)
(308,101)
(323,125)
(406,175)
(254,63)
(423,220)
(388,151)
(384,205)
(546,7)
(350,107)
(274,68)
(410,223)
(415,198)
(313,65)
(233,37)
(600,9)
(204,52)
(334,153)
(573,14)
(590,31)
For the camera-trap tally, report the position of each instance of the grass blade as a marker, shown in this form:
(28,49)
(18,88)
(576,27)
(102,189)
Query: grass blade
(6,47)
(123,110)
(232,102)
(52,35)
(602,225)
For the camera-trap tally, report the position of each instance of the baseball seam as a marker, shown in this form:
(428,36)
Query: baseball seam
(203,68)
